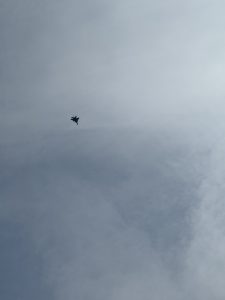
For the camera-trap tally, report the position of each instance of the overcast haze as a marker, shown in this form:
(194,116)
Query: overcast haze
(129,204)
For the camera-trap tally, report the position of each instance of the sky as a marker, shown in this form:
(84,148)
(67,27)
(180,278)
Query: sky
(129,204)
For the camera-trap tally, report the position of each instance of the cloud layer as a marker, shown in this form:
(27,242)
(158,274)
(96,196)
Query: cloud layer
(129,204)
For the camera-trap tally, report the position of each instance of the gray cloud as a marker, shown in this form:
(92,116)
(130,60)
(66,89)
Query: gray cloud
(205,256)
(105,221)
(128,205)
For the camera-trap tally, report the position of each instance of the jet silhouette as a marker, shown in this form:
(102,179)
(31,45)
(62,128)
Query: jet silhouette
(75,119)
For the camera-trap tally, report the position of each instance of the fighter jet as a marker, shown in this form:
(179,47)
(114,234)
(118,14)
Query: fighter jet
(75,119)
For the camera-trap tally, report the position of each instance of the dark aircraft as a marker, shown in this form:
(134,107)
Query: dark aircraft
(75,119)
